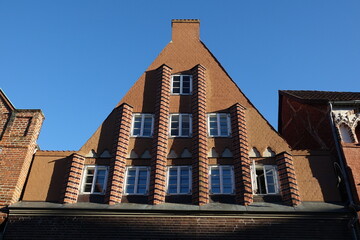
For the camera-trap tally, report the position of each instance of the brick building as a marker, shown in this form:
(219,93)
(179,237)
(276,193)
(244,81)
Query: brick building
(184,154)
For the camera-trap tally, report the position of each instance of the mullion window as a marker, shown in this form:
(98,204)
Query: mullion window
(181,84)
(95,179)
(137,180)
(142,125)
(179,179)
(180,125)
(264,179)
(221,178)
(219,124)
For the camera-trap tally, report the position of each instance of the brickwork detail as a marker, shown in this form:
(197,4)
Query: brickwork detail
(176,227)
(115,186)
(287,178)
(200,168)
(18,134)
(157,188)
(240,150)
(73,178)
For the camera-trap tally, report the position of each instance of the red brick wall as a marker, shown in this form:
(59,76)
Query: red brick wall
(305,126)
(159,149)
(352,158)
(17,146)
(116,178)
(241,156)
(200,171)
(176,227)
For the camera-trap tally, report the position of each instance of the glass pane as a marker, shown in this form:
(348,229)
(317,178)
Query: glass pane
(130,188)
(141,189)
(215,188)
(90,171)
(184,189)
(131,180)
(89,179)
(227,189)
(184,171)
(172,189)
(186,90)
(87,188)
(147,132)
(271,188)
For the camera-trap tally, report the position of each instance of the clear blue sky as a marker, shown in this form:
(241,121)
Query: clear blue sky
(75,59)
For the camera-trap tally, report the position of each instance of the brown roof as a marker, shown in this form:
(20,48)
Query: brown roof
(321,95)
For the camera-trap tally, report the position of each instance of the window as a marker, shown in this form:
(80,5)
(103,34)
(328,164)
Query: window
(142,125)
(219,125)
(95,178)
(221,179)
(264,179)
(180,125)
(137,180)
(181,84)
(179,179)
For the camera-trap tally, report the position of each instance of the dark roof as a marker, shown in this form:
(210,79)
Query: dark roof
(322,95)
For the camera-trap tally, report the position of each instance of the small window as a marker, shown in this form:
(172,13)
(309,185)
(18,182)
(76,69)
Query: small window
(264,179)
(219,125)
(137,180)
(180,125)
(221,179)
(181,84)
(179,180)
(94,180)
(142,125)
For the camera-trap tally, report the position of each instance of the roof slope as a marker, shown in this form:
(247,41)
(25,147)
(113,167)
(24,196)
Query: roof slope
(322,95)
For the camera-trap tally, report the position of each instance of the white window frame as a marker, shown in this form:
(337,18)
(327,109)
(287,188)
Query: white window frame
(178,171)
(221,167)
(218,115)
(96,169)
(180,124)
(265,168)
(181,84)
(138,168)
(143,115)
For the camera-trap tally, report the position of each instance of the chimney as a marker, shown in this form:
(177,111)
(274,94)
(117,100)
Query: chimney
(185,30)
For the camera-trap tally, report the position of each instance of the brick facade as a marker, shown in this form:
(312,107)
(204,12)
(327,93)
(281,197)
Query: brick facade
(116,179)
(20,130)
(288,185)
(159,151)
(170,226)
(241,156)
(73,178)
(200,170)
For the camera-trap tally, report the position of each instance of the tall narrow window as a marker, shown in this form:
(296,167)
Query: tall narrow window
(179,179)
(142,125)
(137,180)
(94,181)
(264,179)
(181,84)
(219,125)
(221,179)
(180,125)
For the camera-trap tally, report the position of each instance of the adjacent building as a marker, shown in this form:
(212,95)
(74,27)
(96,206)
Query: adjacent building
(184,154)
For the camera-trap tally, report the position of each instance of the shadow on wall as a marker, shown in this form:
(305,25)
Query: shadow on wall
(56,187)
(322,168)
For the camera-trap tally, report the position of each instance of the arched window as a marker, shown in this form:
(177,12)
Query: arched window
(345,133)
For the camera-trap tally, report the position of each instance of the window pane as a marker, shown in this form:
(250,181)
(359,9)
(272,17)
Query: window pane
(176,84)
(130,188)
(271,188)
(87,188)
(174,125)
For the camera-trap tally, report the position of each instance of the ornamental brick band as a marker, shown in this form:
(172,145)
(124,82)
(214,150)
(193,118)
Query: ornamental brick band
(73,178)
(200,170)
(117,169)
(288,184)
(157,188)
(240,150)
